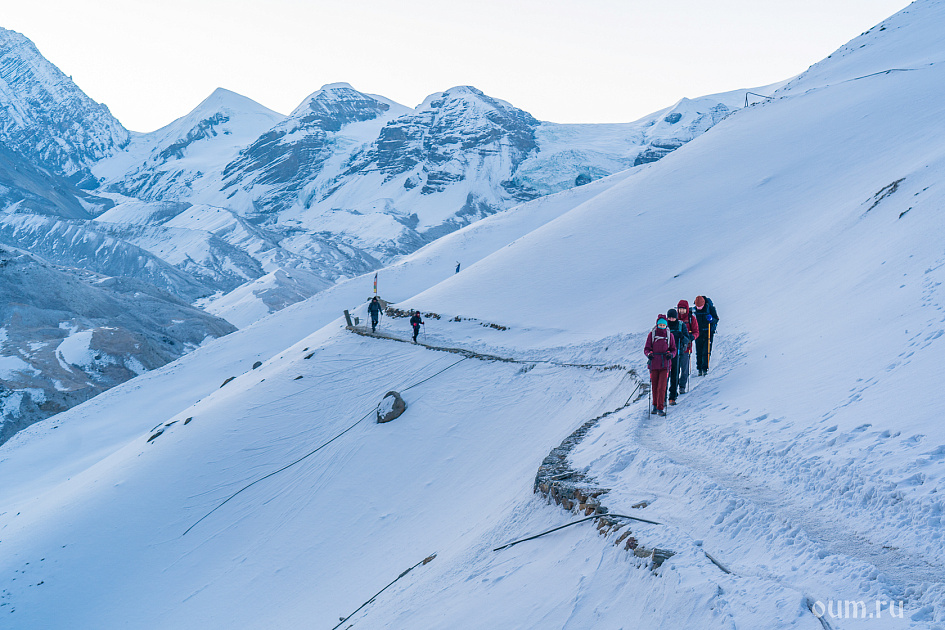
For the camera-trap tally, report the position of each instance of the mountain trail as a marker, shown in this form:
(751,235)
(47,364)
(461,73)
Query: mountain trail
(832,532)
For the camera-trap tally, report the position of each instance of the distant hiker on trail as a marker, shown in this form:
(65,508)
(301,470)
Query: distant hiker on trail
(660,349)
(416,322)
(457,266)
(374,308)
(682,338)
(685,353)
(708,319)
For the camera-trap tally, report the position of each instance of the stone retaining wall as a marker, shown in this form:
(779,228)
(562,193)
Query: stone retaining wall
(576,492)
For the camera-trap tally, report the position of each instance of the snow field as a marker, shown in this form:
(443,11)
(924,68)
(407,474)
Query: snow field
(809,461)
(396,489)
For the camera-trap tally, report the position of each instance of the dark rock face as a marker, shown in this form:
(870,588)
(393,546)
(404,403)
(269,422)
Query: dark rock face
(33,189)
(656,151)
(659,147)
(204,129)
(292,153)
(68,335)
(82,245)
(453,131)
(47,118)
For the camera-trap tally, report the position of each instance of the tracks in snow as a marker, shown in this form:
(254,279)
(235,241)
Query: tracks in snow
(832,533)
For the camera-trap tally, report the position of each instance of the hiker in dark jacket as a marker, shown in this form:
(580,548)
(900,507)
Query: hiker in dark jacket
(660,349)
(708,319)
(416,322)
(374,308)
(682,337)
(685,353)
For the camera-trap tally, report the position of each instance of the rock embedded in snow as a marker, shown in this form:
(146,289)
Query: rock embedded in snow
(391,407)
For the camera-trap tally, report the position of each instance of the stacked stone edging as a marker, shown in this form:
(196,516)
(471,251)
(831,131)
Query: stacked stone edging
(576,492)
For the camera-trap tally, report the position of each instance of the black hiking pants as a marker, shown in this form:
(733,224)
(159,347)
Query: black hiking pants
(674,378)
(702,353)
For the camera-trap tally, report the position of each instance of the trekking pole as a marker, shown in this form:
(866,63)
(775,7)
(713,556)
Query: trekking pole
(708,348)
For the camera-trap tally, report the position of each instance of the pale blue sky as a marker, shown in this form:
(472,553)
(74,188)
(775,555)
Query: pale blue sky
(588,61)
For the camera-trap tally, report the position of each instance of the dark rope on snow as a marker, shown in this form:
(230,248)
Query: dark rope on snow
(633,518)
(312,452)
(309,454)
(437,374)
(426,560)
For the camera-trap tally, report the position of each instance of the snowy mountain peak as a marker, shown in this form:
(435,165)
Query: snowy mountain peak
(336,105)
(166,164)
(46,117)
(224,99)
(335,86)
(473,102)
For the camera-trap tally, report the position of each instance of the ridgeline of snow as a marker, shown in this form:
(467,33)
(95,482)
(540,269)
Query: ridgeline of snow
(170,163)
(45,116)
(379,178)
(809,463)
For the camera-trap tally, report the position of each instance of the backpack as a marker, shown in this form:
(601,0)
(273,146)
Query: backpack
(658,361)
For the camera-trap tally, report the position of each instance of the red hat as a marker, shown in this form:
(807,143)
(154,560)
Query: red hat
(683,304)
(700,301)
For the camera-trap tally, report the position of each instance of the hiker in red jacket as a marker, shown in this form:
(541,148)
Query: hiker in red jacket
(660,349)
(689,318)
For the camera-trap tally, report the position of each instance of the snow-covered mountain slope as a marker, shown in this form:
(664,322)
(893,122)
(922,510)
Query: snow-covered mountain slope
(225,250)
(267,294)
(802,473)
(174,161)
(46,117)
(26,187)
(85,245)
(81,334)
(406,177)
(384,179)
(269,174)
(592,151)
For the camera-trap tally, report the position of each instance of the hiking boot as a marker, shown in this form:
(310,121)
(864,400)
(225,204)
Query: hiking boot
(672,401)
(661,412)
(653,411)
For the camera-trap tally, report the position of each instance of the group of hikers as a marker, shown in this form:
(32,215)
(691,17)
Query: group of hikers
(374,309)
(669,349)
(668,346)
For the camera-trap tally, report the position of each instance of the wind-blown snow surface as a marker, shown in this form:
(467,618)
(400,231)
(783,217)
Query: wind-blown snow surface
(809,462)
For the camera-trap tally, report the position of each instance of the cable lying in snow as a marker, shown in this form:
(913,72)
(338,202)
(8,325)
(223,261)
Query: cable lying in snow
(425,561)
(632,518)
(437,374)
(312,452)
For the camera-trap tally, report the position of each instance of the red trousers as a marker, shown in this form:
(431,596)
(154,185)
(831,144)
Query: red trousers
(658,379)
